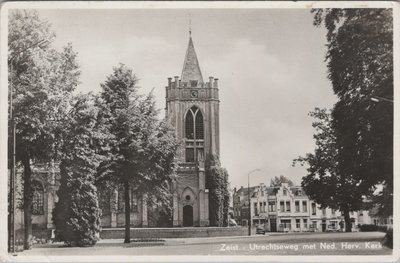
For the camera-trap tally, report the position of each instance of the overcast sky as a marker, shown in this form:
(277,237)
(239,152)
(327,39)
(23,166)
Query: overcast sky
(270,64)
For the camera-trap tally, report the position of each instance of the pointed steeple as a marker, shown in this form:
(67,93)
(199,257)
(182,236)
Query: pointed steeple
(191,69)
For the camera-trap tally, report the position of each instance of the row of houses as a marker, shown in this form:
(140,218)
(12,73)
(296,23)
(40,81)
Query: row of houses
(288,208)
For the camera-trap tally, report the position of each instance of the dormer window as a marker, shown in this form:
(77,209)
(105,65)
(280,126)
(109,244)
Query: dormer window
(284,192)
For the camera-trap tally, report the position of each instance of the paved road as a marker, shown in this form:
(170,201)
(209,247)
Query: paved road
(362,243)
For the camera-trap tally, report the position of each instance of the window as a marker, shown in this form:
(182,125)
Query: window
(271,206)
(194,130)
(199,125)
(284,192)
(314,224)
(265,206)
(297,223)
(304,206)
(305,223)
(38,198)
(361,213)
(189,125)
(255,209)
(313,209)
(324,211)
(297,205)
(261,207)
(282,205)
(286,223)
(287,206)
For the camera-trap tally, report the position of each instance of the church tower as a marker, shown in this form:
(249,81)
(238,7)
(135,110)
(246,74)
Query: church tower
(192,107)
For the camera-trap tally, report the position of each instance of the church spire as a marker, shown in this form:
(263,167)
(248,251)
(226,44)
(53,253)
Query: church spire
(191,69)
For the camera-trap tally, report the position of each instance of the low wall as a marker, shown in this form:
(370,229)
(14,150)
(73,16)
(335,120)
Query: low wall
(184,232)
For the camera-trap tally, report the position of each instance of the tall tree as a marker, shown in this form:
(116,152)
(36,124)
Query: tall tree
(217,183)
(76,215)
(324,182)
(42,80)
(277,181)
(360,66)
(143,149)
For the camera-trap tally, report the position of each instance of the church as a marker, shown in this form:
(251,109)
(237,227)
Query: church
(192,108)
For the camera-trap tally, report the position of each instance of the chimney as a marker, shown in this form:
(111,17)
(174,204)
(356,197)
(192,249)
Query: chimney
(211,81)
(169,82)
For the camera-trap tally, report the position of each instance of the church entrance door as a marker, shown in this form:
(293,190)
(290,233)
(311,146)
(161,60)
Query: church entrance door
(188,215)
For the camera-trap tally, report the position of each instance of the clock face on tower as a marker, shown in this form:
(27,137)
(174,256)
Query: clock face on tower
(194,94)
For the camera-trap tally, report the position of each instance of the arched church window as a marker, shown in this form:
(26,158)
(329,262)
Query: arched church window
(194,130)
(189,125)
(38,198)
(194,124)
(199,124)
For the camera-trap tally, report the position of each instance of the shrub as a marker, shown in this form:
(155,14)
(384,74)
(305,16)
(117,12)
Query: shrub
(76,215)
(370,228)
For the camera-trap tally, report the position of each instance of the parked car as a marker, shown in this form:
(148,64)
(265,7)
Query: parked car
(260,230)
(331,229)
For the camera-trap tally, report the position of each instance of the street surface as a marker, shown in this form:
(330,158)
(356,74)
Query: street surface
(358,243)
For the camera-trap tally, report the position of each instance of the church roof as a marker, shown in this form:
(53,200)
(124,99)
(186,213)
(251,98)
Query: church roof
(191,67)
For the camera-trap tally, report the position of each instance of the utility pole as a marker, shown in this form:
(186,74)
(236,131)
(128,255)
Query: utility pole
(11,233)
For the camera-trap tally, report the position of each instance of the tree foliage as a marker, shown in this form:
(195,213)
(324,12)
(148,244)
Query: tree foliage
(217,183)
(42,80)
(324,182)
(142,154)
(360,66)
(277,181)
(76,215)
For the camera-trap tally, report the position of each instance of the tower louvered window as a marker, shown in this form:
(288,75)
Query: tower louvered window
(194,133)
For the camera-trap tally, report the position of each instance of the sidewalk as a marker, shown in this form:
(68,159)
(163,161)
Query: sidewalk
(141,242)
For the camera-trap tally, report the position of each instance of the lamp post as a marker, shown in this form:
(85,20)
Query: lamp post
(248,194)
(11,233)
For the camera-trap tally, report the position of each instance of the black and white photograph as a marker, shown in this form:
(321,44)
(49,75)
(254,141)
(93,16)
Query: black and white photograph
(197,131)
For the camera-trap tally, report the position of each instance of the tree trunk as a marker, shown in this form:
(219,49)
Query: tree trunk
(347,220)
(27,203)
(127,213)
